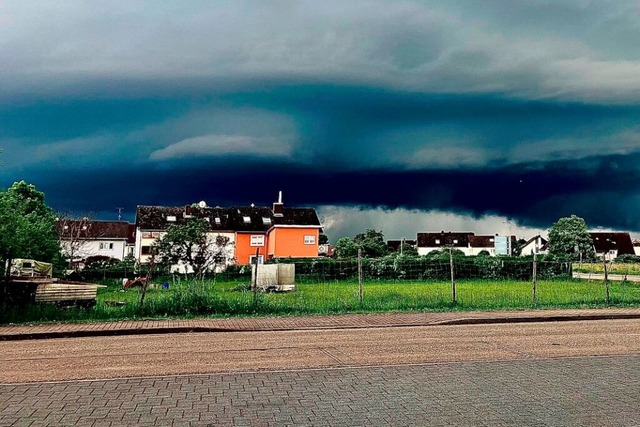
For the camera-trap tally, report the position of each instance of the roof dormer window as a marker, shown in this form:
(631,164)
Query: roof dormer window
(246,219)
(266,220)
(217,220)
(171,218)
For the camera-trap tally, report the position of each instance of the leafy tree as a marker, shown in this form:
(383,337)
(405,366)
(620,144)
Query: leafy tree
(191,245)
(408,250)
(627,259)
(372,243)
(27,225)
(323,239)
(346,248)
(569,237)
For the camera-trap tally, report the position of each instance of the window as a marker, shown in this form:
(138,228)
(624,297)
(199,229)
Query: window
(266,220)
(148,250)
(150,234)
(310,240)
(252,259)
(217,221)
(437,241)
(106,246)
(257,240)
(455,241)
(246,219)
(171,218)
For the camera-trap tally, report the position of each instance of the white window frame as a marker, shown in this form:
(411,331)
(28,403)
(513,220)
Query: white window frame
(260,259)
(246,219)
(309,239)
(106,246)
(256,240)
(437,241)
(171,218)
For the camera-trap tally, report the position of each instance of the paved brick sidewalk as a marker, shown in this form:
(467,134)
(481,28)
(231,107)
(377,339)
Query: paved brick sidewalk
(585,391)
(307,322)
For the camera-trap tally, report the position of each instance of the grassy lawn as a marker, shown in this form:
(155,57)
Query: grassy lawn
(229,298)
(613,268)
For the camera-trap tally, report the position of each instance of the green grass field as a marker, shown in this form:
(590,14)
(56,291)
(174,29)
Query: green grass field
(613,268)
(230,298)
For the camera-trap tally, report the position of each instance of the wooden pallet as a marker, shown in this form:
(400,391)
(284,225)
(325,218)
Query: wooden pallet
(62,292)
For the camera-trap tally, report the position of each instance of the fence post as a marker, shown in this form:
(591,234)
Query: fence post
(606,277)
(453,283)
(360,275)
(254,281)
(535,278)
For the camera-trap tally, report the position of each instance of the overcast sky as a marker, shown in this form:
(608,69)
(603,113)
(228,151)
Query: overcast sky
(404,116)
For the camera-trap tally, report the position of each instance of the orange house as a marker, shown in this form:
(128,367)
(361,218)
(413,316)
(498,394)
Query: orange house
(292,241)
(271,232)
(248,244)
(276,232)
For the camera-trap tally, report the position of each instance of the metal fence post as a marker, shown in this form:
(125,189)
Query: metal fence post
(606,277)
(360,275)
(453,283)
(535,278)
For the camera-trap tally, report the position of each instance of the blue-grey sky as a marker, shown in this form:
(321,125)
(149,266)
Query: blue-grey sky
(439,114)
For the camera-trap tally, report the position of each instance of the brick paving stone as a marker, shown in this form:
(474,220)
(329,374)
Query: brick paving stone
(584,391)
(310,322)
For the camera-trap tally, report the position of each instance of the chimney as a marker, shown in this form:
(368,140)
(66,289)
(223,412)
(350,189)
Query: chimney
(278,207)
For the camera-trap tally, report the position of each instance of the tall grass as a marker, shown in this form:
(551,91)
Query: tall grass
(228,299)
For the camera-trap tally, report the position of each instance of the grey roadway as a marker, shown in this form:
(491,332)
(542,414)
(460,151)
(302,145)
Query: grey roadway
(568,373)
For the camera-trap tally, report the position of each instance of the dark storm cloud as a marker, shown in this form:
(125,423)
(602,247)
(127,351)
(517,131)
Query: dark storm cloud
(526,110)
(602,190)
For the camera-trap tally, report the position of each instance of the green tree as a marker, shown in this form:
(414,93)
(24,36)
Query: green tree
(408,250)
(569,237)
(346,248)
(27,225)
(323,239)
(191,245)
(372,243)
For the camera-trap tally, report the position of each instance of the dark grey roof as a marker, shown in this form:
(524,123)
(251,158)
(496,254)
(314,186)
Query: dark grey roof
(428,240)
(607,241)
(91,229)
(260,219)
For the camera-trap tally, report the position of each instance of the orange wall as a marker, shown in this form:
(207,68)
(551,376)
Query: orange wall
(289,242)
(244,249)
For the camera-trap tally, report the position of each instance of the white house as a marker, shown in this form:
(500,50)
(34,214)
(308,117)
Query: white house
(83,238)
(467,242)
(429,242)
(536,244)
(152,223)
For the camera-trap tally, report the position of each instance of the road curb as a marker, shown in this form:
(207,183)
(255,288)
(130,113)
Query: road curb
(206,329)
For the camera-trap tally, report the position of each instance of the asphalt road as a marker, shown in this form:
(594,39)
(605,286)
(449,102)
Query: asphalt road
(176,354)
